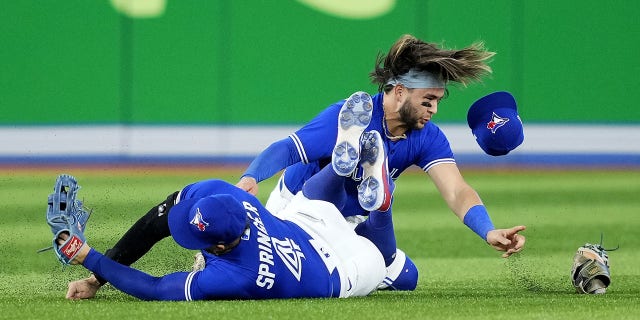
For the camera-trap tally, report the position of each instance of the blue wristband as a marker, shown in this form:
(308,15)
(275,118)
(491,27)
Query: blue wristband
(477,219)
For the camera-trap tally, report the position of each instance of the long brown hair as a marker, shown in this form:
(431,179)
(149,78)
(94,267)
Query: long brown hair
(463,66)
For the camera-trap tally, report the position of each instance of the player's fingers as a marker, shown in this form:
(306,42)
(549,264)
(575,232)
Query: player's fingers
(498,239)
(516,229)
(519,241)
(520,228)
(504,241)
(253,191)
(74,291)
(509,252)
(71,293)
(248,184)
(62,237)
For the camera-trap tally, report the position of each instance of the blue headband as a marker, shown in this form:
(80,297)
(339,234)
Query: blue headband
(418,79)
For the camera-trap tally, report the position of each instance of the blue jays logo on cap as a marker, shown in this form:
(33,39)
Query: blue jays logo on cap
(198,221)
(495,123)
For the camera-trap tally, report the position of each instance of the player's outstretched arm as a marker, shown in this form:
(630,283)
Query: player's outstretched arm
(507,240)
(126,279)
(270,161)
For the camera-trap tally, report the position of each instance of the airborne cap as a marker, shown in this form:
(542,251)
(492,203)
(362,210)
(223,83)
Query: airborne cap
(495,123)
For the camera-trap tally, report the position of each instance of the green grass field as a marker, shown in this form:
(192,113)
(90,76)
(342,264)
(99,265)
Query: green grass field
(460,276)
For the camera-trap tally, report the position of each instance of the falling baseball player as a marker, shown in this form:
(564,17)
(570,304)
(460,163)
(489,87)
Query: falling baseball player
(412,78)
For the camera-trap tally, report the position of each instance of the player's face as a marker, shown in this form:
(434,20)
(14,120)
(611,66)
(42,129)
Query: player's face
(420,106)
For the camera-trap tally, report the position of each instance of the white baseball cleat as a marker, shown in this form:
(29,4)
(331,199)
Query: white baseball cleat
(354,118)
(402,274)
(374,192)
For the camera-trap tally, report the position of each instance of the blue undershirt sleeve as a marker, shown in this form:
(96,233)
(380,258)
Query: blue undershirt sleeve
(378,228)
(274,158)
(135,282)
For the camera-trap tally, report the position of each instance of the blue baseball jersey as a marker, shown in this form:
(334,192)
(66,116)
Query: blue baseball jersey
(275,259)
(314,143)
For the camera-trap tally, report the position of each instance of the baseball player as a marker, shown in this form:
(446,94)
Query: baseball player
(308,250)
(412,78)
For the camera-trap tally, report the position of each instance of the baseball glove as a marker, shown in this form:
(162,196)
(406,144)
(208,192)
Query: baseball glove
(590,271)
(65,214)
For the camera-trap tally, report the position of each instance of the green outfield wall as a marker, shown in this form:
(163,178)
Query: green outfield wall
(281,62)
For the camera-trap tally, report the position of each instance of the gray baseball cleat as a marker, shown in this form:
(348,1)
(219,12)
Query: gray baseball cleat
(375,190)
(354,118)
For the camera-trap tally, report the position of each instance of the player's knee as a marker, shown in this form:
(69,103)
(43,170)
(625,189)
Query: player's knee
(156,218)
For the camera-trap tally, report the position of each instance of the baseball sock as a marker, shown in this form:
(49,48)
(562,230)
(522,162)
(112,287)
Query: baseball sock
(378,228)
(326,185)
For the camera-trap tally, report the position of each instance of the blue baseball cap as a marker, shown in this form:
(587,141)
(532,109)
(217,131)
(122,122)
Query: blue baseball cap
(495,123)
(200,223)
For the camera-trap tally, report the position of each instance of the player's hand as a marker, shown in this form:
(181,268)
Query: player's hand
(83,289)
(248,184)
(507,240)
(82,253)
